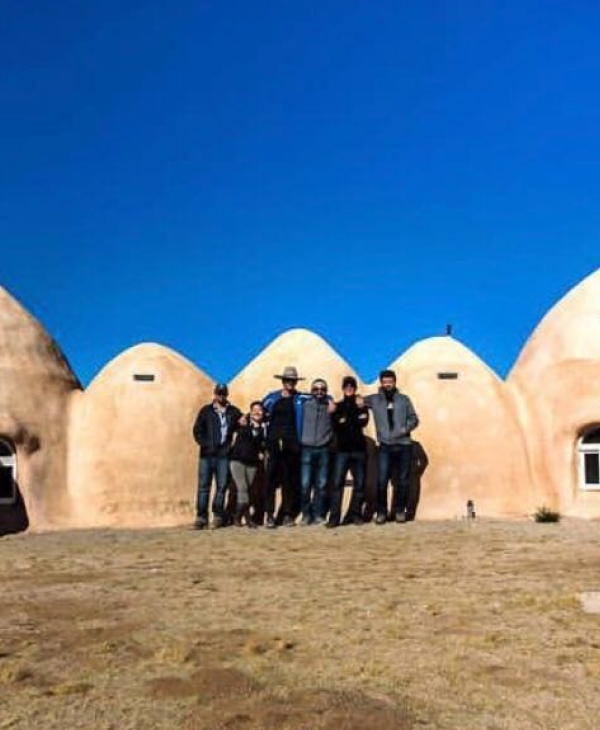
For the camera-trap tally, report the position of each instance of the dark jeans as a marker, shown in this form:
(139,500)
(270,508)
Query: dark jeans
(355,462)
(283,468)
(211,466)
(315,465)
(392,459)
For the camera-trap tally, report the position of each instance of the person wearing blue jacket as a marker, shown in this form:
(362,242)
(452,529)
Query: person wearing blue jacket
(284,429)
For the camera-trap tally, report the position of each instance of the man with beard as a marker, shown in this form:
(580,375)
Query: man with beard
(395,418)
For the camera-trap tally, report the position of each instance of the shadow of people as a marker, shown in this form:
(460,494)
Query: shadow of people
(420,462)
(13,513)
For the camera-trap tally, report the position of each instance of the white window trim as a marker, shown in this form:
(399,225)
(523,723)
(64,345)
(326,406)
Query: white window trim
(10,461)
(582,450)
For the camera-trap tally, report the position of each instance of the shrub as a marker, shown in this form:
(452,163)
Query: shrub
(545,514)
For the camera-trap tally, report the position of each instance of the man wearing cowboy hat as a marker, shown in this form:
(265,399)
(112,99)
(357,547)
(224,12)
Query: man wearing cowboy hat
(284,412)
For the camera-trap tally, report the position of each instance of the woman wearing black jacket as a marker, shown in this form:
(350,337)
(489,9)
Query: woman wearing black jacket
(245,456)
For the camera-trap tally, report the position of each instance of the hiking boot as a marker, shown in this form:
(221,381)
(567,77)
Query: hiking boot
(381,519)
(270,523)
(200,523)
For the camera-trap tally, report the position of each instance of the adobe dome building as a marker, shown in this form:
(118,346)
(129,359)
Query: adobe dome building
(133,461)
(310,353)
(556,382)
(121,452)
(36,383)
(469,430)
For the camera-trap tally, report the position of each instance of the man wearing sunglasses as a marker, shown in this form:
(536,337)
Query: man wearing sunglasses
(317,432)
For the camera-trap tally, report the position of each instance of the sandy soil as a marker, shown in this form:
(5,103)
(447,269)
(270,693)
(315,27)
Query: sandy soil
(426,625)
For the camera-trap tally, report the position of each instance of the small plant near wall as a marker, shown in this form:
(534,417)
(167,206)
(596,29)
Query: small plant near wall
(545,514)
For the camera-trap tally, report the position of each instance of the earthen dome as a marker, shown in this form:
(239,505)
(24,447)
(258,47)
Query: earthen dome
(469,430)
(133,458)
(557,385)
(35,385)
(309,353)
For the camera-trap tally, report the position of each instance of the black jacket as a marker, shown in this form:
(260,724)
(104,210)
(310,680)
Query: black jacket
(348,423)
(207,429)
(248,445)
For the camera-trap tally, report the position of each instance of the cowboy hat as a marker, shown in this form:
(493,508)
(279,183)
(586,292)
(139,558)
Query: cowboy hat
(289,373)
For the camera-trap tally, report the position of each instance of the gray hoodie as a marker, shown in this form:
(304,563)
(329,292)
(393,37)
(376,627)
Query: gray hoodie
(316,423)
(404,417)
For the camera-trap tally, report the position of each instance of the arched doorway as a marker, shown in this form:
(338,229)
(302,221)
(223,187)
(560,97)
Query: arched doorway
(13,515)
(588,448)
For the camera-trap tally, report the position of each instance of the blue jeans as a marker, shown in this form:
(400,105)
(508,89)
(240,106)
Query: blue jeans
(209,467)
(355,462)
(396,458)
(313,480)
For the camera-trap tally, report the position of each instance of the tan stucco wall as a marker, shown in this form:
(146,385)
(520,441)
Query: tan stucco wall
(133,458)
(556,382)
(35,387)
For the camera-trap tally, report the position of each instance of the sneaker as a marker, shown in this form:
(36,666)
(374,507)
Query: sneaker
(270,523)
(305,521)
(332,524)
(357,520)
(400,516)
(288,521)
(381,519)
(200,523)
(318,521)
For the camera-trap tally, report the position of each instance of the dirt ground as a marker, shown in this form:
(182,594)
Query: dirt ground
(454,625)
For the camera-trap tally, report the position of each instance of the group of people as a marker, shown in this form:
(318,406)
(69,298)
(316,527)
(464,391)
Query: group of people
(291,435)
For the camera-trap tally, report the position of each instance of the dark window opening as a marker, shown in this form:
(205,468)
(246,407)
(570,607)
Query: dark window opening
(592,468)
(447,376)
(5,449)
(7,484)
(144,377)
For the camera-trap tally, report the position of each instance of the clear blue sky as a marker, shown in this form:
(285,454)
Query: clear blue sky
(208,174)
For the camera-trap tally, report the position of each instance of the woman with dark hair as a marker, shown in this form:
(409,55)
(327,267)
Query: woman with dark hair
(244,459)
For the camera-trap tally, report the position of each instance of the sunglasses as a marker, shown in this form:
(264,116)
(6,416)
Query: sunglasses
(319,390)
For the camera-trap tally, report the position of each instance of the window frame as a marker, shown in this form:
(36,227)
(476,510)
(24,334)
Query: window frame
(582,450)
(10,461)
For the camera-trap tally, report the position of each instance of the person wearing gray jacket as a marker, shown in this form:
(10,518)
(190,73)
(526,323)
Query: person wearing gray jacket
(395,418)
(317,432)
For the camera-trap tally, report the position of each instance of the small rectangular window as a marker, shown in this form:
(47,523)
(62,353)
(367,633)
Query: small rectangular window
(7,485)
(144,377)
(592,468)
(447,376)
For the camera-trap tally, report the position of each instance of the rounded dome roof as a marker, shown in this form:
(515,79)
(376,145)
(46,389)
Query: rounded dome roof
(439,354)
(313,356)
(147,360)
(26,346)
(569,331)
